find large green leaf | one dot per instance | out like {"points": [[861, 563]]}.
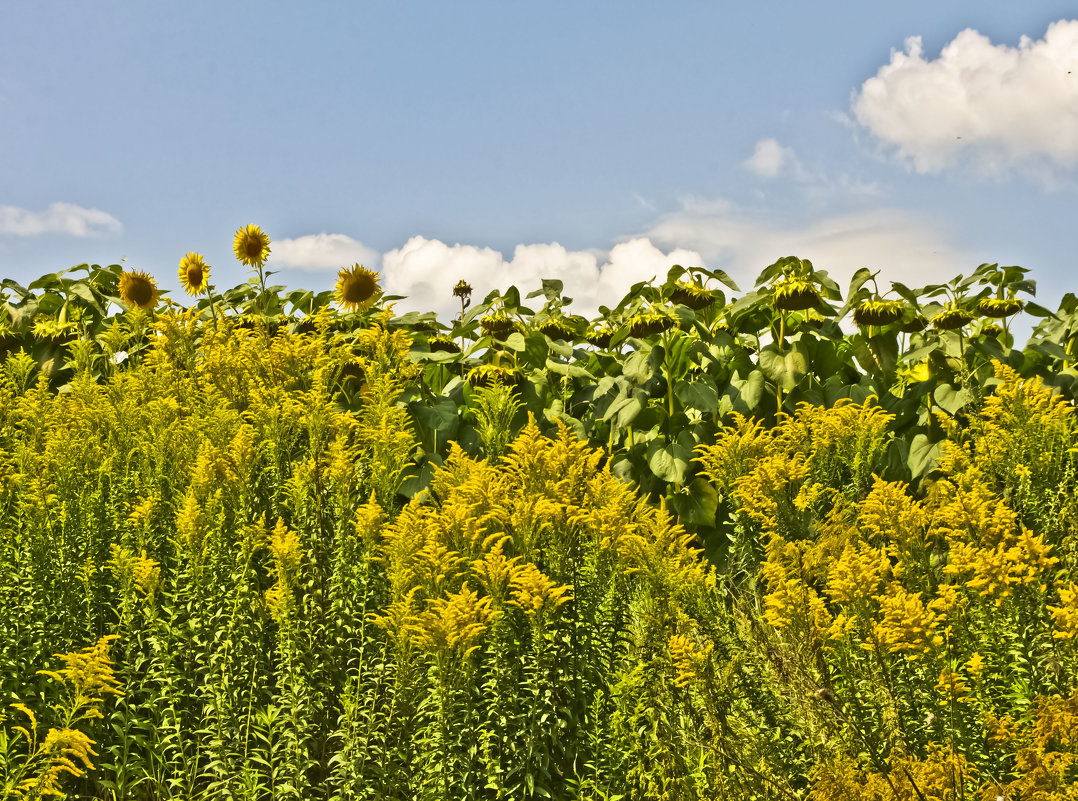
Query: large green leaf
{"points": [[923, 455], [952, 399], [785, 369], [699, 393], [746, 393], [669, 461]]}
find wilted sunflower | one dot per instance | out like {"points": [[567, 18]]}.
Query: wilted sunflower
{"points": [[357, 288], [486, 375], [138, 289], [795, 294], [999, 307], [497, 325], [194, 274], [599, 335], [951, 318], [914, 325], [251, 245], [692, 295], [878, 311], [443, 344], [560, 328], [645, 325]]}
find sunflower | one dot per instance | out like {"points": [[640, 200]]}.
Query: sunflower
{"points": [[951, 318], [599, 335], [999, 307], [357, 288], [562, 328], [194, 274], [914, 325], [497, 325], [692, 295], [795, 294], [138, 289], [878, 311], [443, 344], [251, 246], [645, 325]]}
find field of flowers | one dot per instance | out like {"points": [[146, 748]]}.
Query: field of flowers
{"points": [[796, 544]]}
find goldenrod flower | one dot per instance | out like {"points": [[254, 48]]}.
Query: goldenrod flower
{"points": [[194, 274], [357, 288], [137, 289], [251, 245]]}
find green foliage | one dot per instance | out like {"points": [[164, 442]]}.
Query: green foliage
{"points": [[690, 549]]}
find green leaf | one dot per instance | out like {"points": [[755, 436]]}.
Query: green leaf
{"points": [[785, 369], [952, 399], [923, 455], [624, 411], [696, 503], [747, 392], [698, 394], [637, 367], [669, 461], [515, 341]]}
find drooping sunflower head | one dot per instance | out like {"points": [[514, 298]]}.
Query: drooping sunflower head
{"points": [[878, 311], [950, 318], [251, 245], [194, 274], [497, 325], [138, 290], [1000, 307], [649, 323], [794, 294], [692, 295], [357, 288]]}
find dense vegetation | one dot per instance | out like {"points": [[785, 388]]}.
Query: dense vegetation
{"points": [[782, 546]]}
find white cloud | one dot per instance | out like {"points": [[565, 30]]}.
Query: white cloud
{"points": [[322, 252], [425, 271], [770, 158], [903, 246], [994, 106], [58, 218]]}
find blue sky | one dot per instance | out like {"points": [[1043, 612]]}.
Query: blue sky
{"points": [[504, 142]]}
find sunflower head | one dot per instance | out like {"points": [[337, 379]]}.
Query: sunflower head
{"points": [[692, 295], [878, 311], [497, 325], [599, 335], [914, 325], [357, 288], [462, 290], [649, 323], [443, 344], [138, 290], [794, 294], [999, 307], [564, 328], [194, 274], [951, 318], [251, 245]]}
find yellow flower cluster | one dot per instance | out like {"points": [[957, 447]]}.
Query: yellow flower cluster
{"points": [[135, 572], [687, 656], [906, 625]]}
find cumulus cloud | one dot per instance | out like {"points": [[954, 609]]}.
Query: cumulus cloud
{"points": [[994, 106], [903, 246], [770, 158], [425, 271], [58, 218], [322, 252]]}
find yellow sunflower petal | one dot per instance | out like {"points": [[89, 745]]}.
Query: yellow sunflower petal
{"points": [[194, 274], [138, 289]]}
